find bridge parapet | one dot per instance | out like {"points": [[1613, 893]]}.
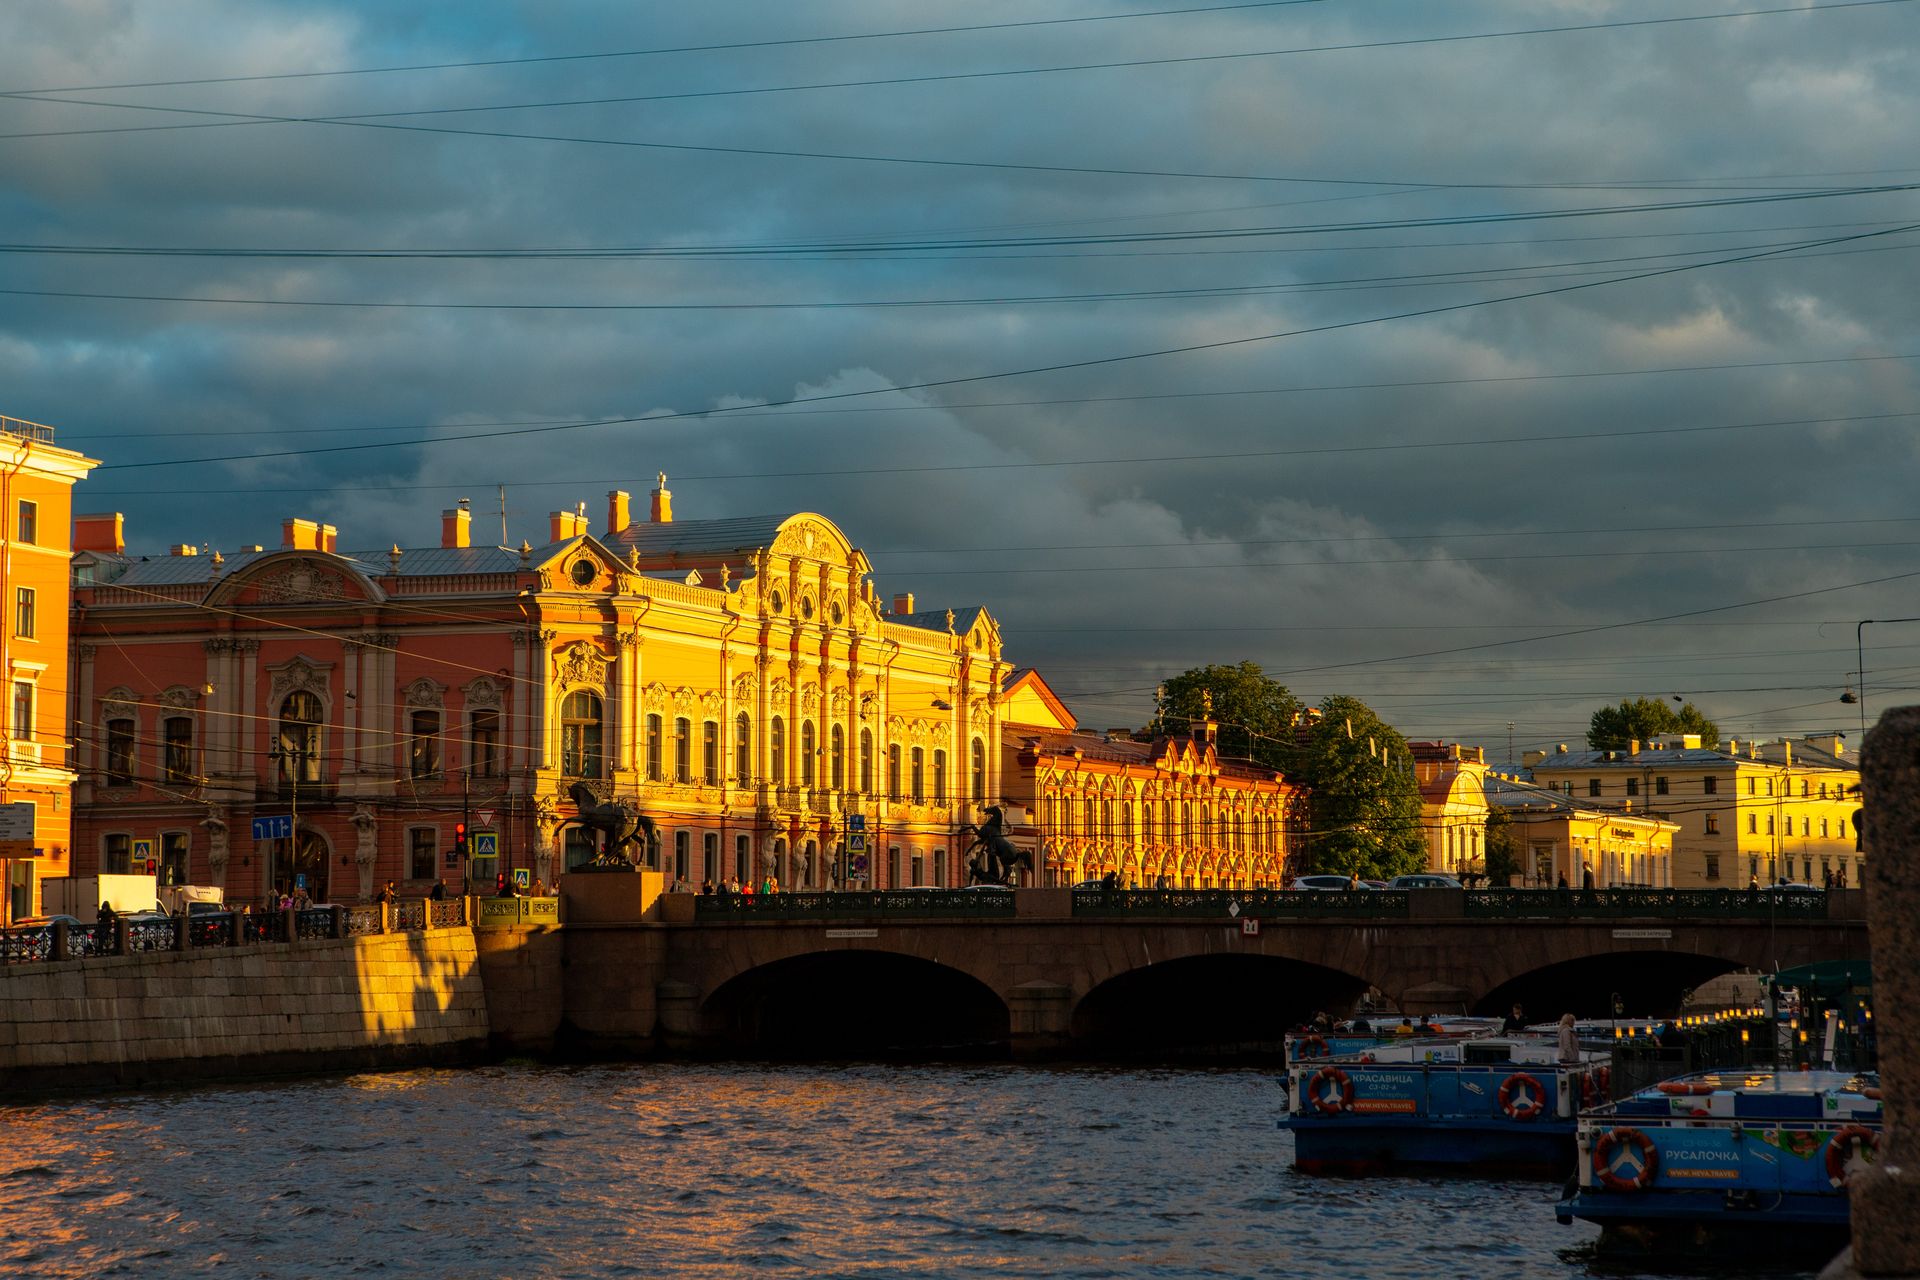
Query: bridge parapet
{"points": [[1682, 904]]}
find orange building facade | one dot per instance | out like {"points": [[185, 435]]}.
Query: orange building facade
{"points": [[1168, 812], [739, 681], [36, 505]]}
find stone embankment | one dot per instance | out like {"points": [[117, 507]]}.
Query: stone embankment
{"points": [[373, 1001]]}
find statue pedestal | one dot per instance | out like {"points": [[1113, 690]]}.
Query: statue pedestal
{"points": [[612, 897]]}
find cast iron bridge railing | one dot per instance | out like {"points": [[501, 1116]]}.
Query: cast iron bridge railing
{"points": [[1260, 904], [896, 904], [1688, 904]]}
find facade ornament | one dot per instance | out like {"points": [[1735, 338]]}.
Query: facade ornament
{"points": [[743, 688], [217, 850], [546, 820], [482, 691], [633, 559], [726, 577], [179, 696], [837, 703], [301, 582], [580, 663], [393, 559], [366, 846], [684, 699], [526, 554], [296, 675], [809, 699], [87, 651], [781, 689], [119, 701], [710, 703], [246, 644], [949, 622], [425, 693]]}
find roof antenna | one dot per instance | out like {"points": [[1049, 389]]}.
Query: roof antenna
{"points": [[503, 515]]}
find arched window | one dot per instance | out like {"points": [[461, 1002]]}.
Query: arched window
{"points": [[1126, 822], [710, 760], [682, 749], [978, 781], [919, 775], [120, 754], [807, 750], [837, 758], [866, 762], [299, 745], [654, 770], [1146, 822], [893, 771], [939, 776], [777, 746], [580, 734], [178, 731], [742, 749]]}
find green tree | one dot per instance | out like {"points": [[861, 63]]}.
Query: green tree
{"points": [[1645, 719], [1256, 714], [1365, 801], [1503, 848]]}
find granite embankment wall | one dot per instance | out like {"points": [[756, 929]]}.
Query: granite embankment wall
{"points": [[376, 1001]]}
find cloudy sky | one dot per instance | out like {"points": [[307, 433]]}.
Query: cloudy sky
{"points": [[1486, 361]]}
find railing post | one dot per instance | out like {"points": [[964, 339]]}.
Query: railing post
{"points": [[339, 921], [180, 932], [59, 951], [290, 925], [386, 917], [122, 938]]}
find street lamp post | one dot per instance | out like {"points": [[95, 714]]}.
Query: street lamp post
{"points": [[1860, 665], [295, 758]]}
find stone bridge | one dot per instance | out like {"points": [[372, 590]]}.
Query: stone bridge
{"points": [[1047, 970]]}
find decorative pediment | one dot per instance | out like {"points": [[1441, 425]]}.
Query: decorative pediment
{"points": [[810, 699], [296, 577], [781, 690], [654, 696], [179, 696], [837, 703], [710, 702], [743, 688], [685, 699], [481, 692], [119, 701], [981, 717], [584, 564], [301, 673], [425, 693], [580, 663]]}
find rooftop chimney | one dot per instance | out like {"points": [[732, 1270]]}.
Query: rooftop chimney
{"points": [[903, 602], [456, 526], [562, 525], [329, 538], [1633, 746], [183, 549], [617, 515], [662, 502], [299, 535], [104, 532], [1690, 741]]}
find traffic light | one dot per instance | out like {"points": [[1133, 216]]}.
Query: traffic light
{"points": [[459, 839]]}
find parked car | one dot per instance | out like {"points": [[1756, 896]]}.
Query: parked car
{"points": [[1791, 888], [1424, 880], [1325, 884]]}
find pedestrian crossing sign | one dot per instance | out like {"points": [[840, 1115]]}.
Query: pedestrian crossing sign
{"points": [[857, 842], [486, 844]]}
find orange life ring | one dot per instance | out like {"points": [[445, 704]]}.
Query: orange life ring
{"points": [[1330, 1101], [1686, 1088], [1873, 1093], [1366, 1058], [1594, 1086], [1313, 1046], [1840, 1149], [1616, 1141], [1522, 1106]]}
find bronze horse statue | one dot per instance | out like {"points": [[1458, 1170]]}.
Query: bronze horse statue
{"points": [[992, 858], [611, 821]]}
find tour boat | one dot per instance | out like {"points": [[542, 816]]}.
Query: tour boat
{"points": [[1493, 1105], [1723, 1163]]}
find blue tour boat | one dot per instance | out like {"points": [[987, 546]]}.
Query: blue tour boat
{"points": [[1723, 1163], [1493, 1105]]}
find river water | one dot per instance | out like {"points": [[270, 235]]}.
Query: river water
{"points": [[706, 1170]]}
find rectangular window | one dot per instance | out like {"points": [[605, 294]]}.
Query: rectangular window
{"points": [[119, 752], [653, 749], [919, 778], [23, 612], [23, 710], [1633, 786], [939, 777], [1710, 785], [179, 737], [1769, 824], [710, 856], [1713, 866], [893, 771], [1823, 828], [1752, 785], [1660, 786], [423, 853], [1593, 786], [682, 750], [424, 756], [1753, 824], [484, 727], [682, 855], [173, 857], [742, 752], [742, 858], [893, 867], [1713, 824], [919, 869], [939, 868], [710, 762], [116, 859], [1806, 826], [28, 525]]}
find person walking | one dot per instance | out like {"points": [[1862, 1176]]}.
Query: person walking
{"points": [[1569, 1039], [1586, 876]]}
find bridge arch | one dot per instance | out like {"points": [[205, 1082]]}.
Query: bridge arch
{"points": [[855, 1002], [1650, 982], [1213, 1001]]}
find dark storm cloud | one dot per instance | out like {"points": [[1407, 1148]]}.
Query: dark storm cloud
{"points": [[1237, 539]]}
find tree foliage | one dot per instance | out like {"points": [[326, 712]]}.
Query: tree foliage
{"points": [[1503, 848], [1363, 800], [1645, 719]]}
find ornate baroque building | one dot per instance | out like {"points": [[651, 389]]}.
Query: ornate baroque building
{"points": [[1167, 812], [737, 680]]}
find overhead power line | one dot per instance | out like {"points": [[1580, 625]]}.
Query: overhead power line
{"points": [[727, 47], [1059, 366]]}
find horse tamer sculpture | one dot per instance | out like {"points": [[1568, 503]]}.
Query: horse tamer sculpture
{"points": [[617, 828], [992, 858]]}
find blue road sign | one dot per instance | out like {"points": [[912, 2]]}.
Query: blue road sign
{"points": [[856, 843], [277, 827], [522, 878], [856, 822], [300, 880], [485, 844]]}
